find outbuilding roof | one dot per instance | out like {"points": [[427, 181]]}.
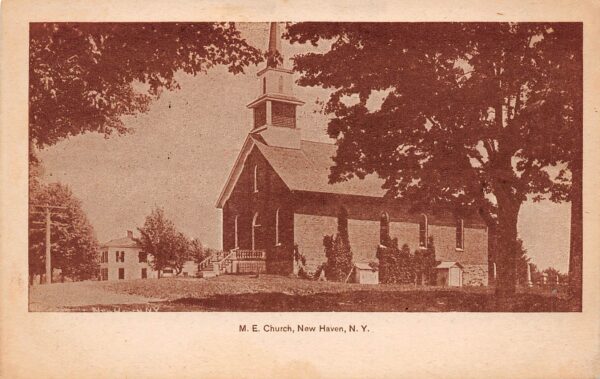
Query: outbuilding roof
{"points": [[443, 265], [363, 266]]}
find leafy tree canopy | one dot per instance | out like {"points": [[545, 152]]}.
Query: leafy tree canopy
{"points": [[159, 238], [469, 108], [74, 247], [475, 116], [83, 75]]}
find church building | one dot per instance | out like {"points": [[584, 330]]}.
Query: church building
{"points": [[278, 195]]}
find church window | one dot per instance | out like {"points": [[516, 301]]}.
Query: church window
{"points": [[280, 84], [264, 87], [277, 227], [255, 185], [423, 226], [255, 225], [235, 232], [384, 229], [460, 234]]}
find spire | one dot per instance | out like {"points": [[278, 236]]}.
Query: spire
{"points": [[275, 107], [274, 57]]}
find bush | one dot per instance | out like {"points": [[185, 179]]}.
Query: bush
{"points": [[339, 258], [395, 265], [338, 251], [425, 263], [280, 260]]}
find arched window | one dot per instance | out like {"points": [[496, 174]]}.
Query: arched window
{"points": [[423, 226], [235, 232], [255, 225], [280, 84], [384, 229], [255, 180], [460, 234], [264, 85], [277, 227]]}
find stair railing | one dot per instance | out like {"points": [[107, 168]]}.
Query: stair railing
{"points": [[205, 262], [224, 262]]}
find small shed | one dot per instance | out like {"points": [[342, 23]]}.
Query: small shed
{"points": [[365, 274], [449, 274]]}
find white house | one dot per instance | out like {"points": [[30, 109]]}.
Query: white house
{"points": [[122, 258]]}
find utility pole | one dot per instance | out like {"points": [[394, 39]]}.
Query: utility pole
{"points": [[48, 223]]}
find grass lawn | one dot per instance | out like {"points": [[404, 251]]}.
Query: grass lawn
{"points": [[270, 293]]}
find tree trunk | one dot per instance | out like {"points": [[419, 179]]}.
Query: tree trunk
{"points": [[576, 166], [506, 257], [492, 256], [576, 243]]}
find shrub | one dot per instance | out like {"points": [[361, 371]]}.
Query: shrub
{"points": [[425, 264], [338, 251], [395, 265], [280, 260], [339, 258]]}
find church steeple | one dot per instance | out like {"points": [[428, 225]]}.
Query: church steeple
{"points": [[275, 58], [275, 107]]}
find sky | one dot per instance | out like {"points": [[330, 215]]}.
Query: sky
{"points": [[179, 155]]}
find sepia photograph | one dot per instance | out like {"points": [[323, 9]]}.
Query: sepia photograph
{"points": [[305, 166], [299, 189]]}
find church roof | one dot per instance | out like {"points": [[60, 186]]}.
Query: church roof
{"points": [[305, 169]]}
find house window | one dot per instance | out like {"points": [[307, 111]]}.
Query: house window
{"points": [[277, 227], [255, 178], [104, 274], [122, 256], [116, 256], [121, 273], [142, 257], [280, 84], [423, 226], [384, 229], [460, 234], [144, 273], [264, 85], [235, 232], [255, 225]]}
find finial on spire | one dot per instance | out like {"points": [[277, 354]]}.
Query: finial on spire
{"points": [[274, 57]]}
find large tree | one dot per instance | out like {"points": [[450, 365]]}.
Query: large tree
{"points": [[475, 116], [159, 238], [74, 248], [83, 76]]}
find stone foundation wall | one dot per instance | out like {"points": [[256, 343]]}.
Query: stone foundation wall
{"points": [[475, 275]]}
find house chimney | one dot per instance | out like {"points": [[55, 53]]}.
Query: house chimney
{"points": [[129, 234]]}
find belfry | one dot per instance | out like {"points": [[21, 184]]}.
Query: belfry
{"points": [[275, 107]]}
